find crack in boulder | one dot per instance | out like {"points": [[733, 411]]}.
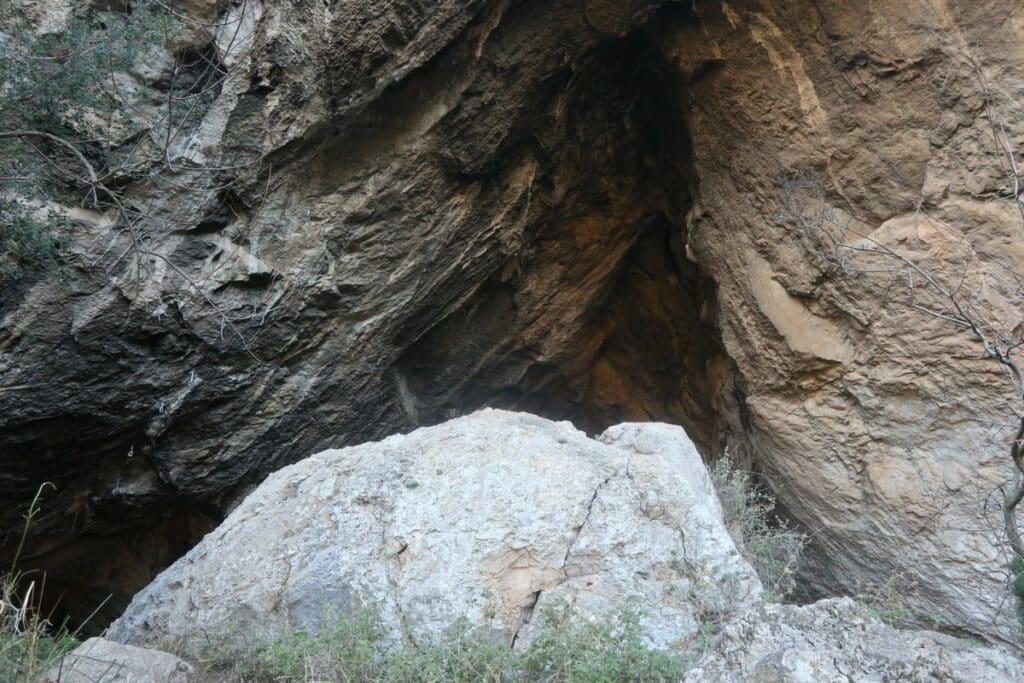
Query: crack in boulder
{"points": [[525, 616], [586, 518]]}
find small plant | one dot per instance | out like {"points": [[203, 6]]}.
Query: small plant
{"points": [[30, 644], [29, 246], [75, 123], [610, 648], [767, 542], [57, 96], [705, 636], [346, 643], [888, 599], [467, 655], [49, 81]]}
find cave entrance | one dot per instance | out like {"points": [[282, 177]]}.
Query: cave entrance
{"points": [[84, 582], [600, 317]]}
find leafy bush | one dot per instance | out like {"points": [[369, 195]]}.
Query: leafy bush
{"points": [[467, 655], [352, 648], [608, 649], [63, 96], [343, 643], [49, 81], [29, 245], [54, 84], [767, 542]]}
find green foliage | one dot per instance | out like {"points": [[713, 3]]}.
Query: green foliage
{"points": [[25, 656], [466, 656], [49, 81], [344, 642], [29, 246], [67, 84], [353, 648], [888, 597], [1017, 585], [606, 650], [767, 542]]}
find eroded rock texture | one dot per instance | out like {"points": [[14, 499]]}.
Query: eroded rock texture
{"points": [[837, 640], [494, 518], [457, 203], [875, 421], [568, 207]]}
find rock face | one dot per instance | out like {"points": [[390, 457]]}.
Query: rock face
{"points": [[489, 517], [836, 641], [98, 660], [575, 208], [882, 428]]}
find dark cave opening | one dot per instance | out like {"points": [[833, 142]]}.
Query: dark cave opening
{"points": [[649, 351], [84, 582], [609, 256]]}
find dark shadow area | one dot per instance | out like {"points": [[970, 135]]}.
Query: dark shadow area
{"points": [[645, 344], [86, 581]]}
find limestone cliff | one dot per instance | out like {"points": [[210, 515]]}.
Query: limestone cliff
{"points": [[571, 207]]}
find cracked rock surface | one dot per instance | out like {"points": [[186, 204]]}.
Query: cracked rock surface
{"points": [[494, 515], [836, 640], [489, 517]]}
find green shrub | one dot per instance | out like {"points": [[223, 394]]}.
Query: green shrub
{"points": [[767, 542], [27, 654], [352, 648], [345, 642], [29, 246], [609, 650], [465, 656], [49, 81], [62, 96]]}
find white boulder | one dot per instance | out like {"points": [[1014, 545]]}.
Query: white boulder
{"points": [[488, 517]]}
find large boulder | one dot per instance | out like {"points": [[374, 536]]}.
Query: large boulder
{"points": [[488, 517], [837, 641]]}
